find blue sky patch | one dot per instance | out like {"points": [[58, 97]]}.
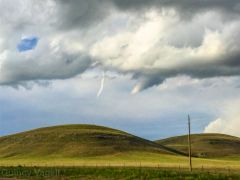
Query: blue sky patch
{"points": [[27, 43]]}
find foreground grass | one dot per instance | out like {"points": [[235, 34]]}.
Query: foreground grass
{"points": [[131, 159], [131, 165], [109, 173]]}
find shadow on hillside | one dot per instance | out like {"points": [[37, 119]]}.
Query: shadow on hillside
{"points": [[173, 150]]}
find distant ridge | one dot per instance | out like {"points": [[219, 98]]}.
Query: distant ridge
{"points": [[205, 145]]}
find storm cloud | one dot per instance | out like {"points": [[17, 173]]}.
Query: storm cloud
{"points": [[149, 40]]}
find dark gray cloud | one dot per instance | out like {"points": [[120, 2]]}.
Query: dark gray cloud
{"points": [[184, 6], [63, 67], [227, 67], [81, 14], [199, 71]]}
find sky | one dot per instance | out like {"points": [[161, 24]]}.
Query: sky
{"points": [[135, 65]]}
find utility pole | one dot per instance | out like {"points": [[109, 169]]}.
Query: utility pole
{"points": [[189, 144]]}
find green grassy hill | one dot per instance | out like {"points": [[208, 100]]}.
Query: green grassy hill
{"points": [[205, 145], [74, 141], [91, 145]]}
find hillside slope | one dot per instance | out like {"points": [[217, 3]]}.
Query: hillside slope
{"points": [[205, 145], [73, 141]]}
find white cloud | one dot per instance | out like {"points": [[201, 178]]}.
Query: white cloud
{"points": [[229, 121], [150, 53], [225, 126]]}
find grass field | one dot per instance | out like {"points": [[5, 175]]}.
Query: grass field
{"points": [[101, 173], [134, 159]]}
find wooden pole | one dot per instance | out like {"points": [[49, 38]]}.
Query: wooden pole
{"points": [[189, 144]]}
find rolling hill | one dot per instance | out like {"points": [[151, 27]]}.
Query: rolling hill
{"points": [[74, 141], [205, 145], [80, 141]]}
